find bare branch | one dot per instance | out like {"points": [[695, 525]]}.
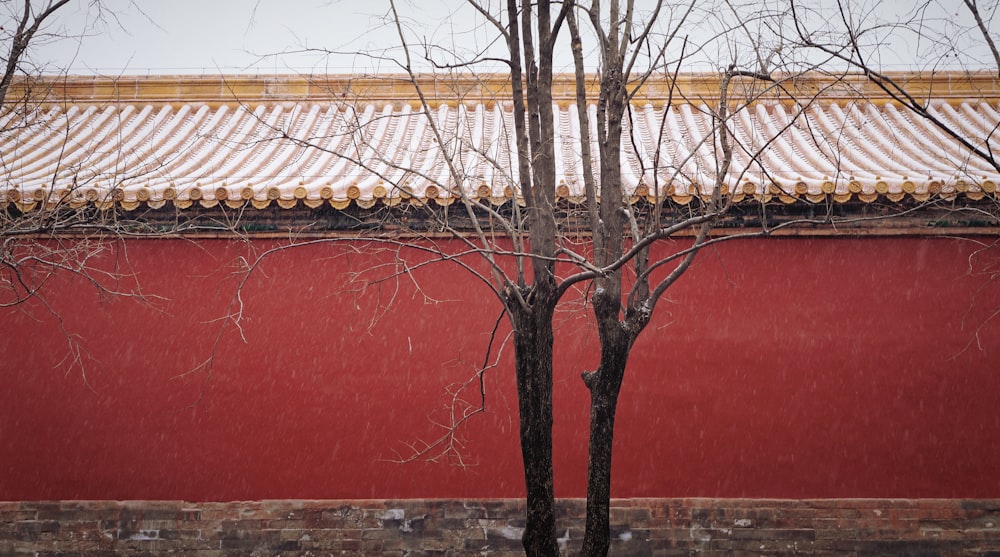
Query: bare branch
{"points": [[987, 36]]}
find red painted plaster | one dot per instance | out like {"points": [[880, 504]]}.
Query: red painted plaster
{"points": [[775, 368]]}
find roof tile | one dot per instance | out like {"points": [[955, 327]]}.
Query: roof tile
{"points": [[378, 148]]}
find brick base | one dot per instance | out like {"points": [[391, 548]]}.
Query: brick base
{"points": [[477, 527]]}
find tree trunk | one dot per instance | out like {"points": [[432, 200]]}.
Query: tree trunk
{"points": [[605, 385], [533, 339]]}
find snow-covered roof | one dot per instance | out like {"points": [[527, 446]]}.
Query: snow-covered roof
{"points": [[337, 140]]}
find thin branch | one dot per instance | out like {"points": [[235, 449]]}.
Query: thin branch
{"points": [[987, 36]]}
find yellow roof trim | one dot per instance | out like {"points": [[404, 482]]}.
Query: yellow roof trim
{"points": [[398, 89]]}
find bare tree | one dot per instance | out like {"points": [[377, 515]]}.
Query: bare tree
{"points": [[24, 25], [613, 212], [31, 254], [598, 188], [726, 166], [61, 216]]}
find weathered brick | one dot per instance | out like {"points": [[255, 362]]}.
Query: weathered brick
{"points": [[494, 543], [457, 509], [504, 508], [672, 552], [571, 509], [772, 534], [988, 534], [34, 529], [218, 511], [990, 505], [243, 539], [470, 527], [439, 544]]}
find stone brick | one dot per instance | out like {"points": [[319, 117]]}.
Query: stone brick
{"points": [[642, 527], [180, 534], [573, 509], [35, 529], [456, 509], [987, 505], [773, 534]]}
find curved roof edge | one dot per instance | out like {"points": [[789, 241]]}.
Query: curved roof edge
{"points": [[321, 141]]}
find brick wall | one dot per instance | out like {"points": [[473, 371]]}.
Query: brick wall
{"points": [[475, 527]]}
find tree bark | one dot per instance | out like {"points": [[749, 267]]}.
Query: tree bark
{"points": [[605, 386], [533, 338]]}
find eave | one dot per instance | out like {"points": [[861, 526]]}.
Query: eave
{"points": [[233, 142]]}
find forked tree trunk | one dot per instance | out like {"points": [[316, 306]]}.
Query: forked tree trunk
{"points": [[533, 339], [604, 385]]}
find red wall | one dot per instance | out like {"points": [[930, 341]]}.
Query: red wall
{"points": [[777, 368]]}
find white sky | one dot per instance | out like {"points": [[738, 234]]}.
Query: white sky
{"points": [[205, 36], [238, 36]]}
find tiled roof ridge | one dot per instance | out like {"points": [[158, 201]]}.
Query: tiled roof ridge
{"points": [[953, 86], [294, 152]]}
